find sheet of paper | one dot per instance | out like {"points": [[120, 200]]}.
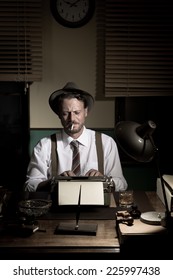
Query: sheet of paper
{"points": [[92, 193]]}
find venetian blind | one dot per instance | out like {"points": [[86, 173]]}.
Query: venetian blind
{"points": [[21, 40], [138, 47]]}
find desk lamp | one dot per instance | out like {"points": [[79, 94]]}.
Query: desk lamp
{"points": [[136, 141]]}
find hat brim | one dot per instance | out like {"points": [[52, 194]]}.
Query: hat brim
{"points": [[53, 99]]}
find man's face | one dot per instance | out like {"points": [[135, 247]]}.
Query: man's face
{"points": [[73, 115]]}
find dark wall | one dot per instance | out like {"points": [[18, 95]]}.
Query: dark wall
{"points": [[14, 134]]}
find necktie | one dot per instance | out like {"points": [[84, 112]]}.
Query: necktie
{"points": [[76, 157]]}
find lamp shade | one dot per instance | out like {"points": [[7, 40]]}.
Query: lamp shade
{"points": [[136, 140]]}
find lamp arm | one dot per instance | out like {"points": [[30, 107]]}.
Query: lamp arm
{"points": [[160, 176]]}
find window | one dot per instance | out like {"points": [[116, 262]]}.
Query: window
{"points": [[20, 40], [135, 47]]}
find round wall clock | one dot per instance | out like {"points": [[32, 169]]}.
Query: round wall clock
{"points": [[72, 13]]}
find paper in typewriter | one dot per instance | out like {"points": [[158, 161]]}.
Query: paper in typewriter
{"points": [[92, 193]]}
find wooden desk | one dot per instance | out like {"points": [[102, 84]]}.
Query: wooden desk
{"points": [[143, 240], [44, 245], [49, 245]]}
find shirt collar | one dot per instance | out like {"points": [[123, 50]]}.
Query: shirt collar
{"points": [[83, 138]]}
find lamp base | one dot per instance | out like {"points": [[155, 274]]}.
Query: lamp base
{"points": [[167, 222], [152, 218], [82, 229]]}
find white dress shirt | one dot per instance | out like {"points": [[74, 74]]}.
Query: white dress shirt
{"points": [[39, 168]]}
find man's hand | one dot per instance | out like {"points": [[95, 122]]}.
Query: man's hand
{"points": [[93, 172], [68, 173]]}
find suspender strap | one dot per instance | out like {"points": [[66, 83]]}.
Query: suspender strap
{"points": [[55, 158], [99, 152], [54, 155]]}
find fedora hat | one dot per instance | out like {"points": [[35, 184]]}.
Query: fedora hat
{"points": [[70, 87]]}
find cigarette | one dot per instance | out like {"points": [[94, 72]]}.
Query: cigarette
{"points": [[72, 126], [35, 229]]}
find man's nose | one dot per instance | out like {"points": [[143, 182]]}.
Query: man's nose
{"points": [[71, 116]]}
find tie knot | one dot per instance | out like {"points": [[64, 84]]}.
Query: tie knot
{"points": [[75, 144]]}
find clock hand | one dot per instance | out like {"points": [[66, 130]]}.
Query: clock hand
{"points": [[71, 4], [67, 2], [74, 4]]}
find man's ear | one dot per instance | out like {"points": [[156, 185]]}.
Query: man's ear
{"points": [[86, 112]]}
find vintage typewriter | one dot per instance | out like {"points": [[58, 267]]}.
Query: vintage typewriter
{"points": [[94, 190]]}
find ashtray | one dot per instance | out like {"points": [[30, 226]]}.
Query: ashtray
{"points": [[34, 207]]}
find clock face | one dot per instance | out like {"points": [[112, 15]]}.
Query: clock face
{"points": [[72, 13]]}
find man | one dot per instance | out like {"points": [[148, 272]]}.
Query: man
{"points": [[72, 106]]}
